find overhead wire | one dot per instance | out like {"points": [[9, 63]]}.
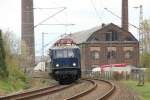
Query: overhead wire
{"points": [[95, 9], [43, 9], [50, 17], [120, 18]]}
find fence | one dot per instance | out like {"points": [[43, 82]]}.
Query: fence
{"points": [[108, 75]]}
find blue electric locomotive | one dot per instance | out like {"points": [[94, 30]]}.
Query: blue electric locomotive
{"points": [[65, 61]]}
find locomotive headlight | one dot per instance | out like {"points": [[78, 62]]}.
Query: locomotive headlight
{"points": [[74, 64], [57, 65]]}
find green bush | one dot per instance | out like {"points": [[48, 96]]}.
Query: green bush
{"points": [[16, 79], [145, 60], [3, 68]]}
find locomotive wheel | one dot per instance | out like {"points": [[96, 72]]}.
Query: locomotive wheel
{"points": [[67, 80], [62, 82]]}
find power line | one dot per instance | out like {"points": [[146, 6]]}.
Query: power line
{"points": [[120, 18], [49, 8], [50, 17], [95, 9], [59, 24]]}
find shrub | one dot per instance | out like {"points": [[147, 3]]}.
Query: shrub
{"points": [[12, 57], [3, 68]]}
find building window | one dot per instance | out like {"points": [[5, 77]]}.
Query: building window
{"points": [[128, 54], [111, 54], [94, 39], [111, 36], [129, 38], [94, 55]]}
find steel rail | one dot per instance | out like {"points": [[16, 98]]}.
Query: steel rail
{"points": [[103, 97], [52, 89], [35, 93], [106, 95], [84, 92]]}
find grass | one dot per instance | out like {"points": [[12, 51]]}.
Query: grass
{"points": [[9, 86], [144, 91]]}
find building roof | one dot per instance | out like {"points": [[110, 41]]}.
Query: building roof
{"points": [[64, 47], [83, 36]]}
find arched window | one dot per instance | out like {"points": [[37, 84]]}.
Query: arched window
{"points": [[128, 54], [94, 55], [111, 54]]}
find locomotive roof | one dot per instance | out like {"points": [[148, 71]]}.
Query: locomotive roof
{"points": [[63, 47]]}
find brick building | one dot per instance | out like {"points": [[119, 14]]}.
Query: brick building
{"points": [[106, 45]]}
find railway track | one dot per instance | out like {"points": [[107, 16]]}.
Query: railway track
{"points": [[35, 93], [89, 90], [108, 93], [48, 91]]}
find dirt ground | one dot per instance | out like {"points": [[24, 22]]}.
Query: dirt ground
{"points": [[123, 92]]}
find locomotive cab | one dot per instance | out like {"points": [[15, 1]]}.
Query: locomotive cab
{"points": [[65, 62]]}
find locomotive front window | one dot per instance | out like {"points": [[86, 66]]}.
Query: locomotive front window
{"points": [[59, 54], [64, 53], [70, 53]]}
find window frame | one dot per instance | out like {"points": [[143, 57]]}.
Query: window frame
{"points": [[112, 54], [111, 36], [93, 55], [130, 54]]}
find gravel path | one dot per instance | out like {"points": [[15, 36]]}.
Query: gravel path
{"points": [[123, 93], [81, 86]]}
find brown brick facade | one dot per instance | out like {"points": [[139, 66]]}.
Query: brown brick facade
{"points": [[106, 45], [88, 63]]}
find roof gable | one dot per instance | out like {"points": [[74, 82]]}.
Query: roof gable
{"points": [[86, 35], [122, 34]]}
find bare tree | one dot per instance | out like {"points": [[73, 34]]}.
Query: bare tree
{"points": [[146, 35], [145, 57], [13, 48]]}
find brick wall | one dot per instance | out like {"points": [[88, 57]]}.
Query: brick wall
{"points": [[87, 62]]}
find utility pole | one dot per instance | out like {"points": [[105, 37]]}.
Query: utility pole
{"points": [[42, 57], [141, 34]]}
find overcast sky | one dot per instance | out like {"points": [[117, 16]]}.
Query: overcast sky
{"points": [[84, 14]]}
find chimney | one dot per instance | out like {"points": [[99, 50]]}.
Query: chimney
{"points": [[27, 30], [125, 14], [103, 25]]}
